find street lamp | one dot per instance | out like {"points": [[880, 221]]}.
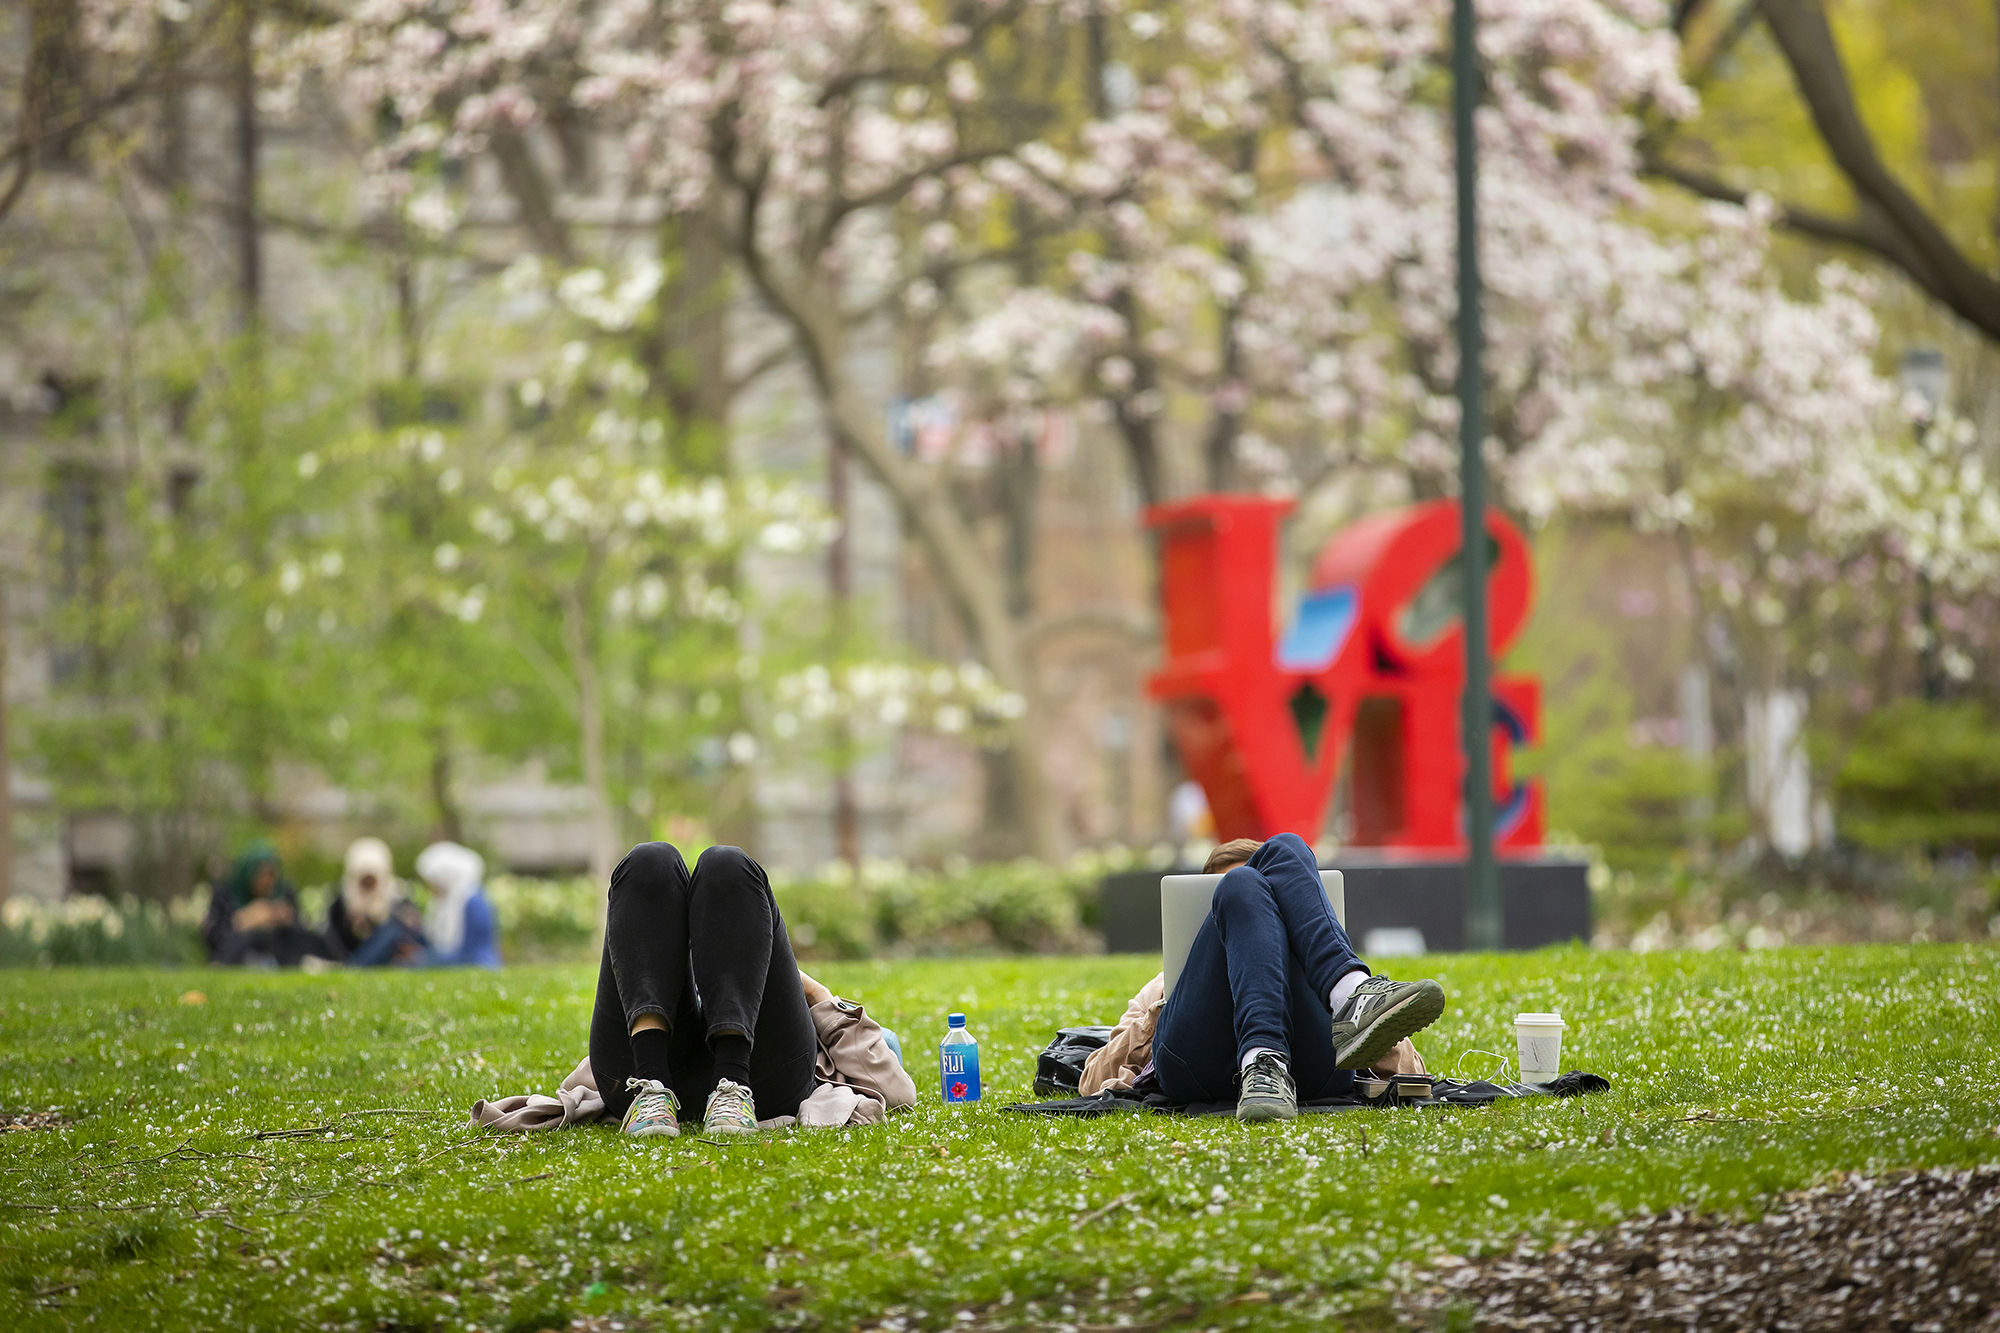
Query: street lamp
{"points": [[1483, 923]]}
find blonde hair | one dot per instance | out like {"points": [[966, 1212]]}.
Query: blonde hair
{"points": [[1229, 855]]}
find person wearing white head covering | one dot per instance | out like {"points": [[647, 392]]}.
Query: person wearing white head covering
{"points": [[370, 923], [460, 924]]}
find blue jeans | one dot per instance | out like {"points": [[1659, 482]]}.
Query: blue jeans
{"points": [[1259, 974], [380, 948]]}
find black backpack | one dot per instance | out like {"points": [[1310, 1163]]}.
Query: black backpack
{"points": [[1059, 1068]]}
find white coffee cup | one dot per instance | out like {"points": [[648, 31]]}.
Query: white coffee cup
{"points": [[1540, 1038]]}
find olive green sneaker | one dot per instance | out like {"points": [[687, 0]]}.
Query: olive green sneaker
{"points": [[1268, 1091], [1379, 1014], [654, 1113]]}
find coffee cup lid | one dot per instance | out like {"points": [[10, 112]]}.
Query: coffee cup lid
{"points": [[1539, 1021]]}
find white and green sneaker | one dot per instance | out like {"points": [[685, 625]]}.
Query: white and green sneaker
{"points": [[730, 1110], [1268, 1091], [1379, 1014], [654, 1113]]}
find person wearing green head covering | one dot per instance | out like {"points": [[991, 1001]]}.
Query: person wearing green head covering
{"points": [[253, 915]]}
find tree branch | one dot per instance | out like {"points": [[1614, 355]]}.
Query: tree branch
{"points": [[25, 151], [530, 189], [1684, 14], [559, 684], [842, 84], [1733, 32], [965, 574], [23, 169], [761, 367], [1806, 41], [941, 272], [1138, 629], [845, 205], [1867, 231]]}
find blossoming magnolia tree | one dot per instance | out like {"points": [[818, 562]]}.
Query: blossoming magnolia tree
{"points": [[1275, 245], [619, 556], [1230, 215]]}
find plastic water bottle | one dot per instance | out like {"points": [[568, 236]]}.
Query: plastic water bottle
{"points": [[958, 1063]]}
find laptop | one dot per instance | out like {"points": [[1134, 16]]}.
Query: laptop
{"points": [[1184, 904]]}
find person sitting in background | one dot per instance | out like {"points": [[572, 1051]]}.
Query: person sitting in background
{"points": [[1272, 1001], [370, 923], [253, 915], [460, 924]]}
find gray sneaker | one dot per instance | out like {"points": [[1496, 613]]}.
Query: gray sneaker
{"points": [[1268, 1092], [1379, 1014]]}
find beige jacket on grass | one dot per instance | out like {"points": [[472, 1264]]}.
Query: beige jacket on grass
{"points": [[1117, 1063], [859, 1081]]}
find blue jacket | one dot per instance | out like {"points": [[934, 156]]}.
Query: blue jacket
{"points": [[479, 946]]}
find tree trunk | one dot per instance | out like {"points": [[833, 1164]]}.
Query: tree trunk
{"points": [[247, 405], [1930, 657], [590, 726], [249, 252], [450, 825], [962, 567], [174, 137], [1225, 425], [523, 178], [6, 762], [1697, 691], [409, 320], [840, 591], [1003, 823], [689, 344], [1005, 819]]}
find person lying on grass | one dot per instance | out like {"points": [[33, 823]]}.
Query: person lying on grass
{"points": [[701, 1002], [1269, 968]]}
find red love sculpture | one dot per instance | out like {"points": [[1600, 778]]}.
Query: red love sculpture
{"points": [[1370, 672]]}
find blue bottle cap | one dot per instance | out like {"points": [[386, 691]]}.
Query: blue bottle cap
{"points": [[957, 1020]]}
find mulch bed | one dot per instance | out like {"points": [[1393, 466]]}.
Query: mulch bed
{"points": [[10, 1120], [1916, 1252]]}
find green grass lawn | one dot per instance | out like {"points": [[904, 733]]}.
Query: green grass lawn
{"points": [[1735, 1075]]}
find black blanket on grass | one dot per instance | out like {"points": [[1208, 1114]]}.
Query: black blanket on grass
{"points": [[1146, 1096]]}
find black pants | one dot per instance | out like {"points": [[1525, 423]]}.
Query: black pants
{"points": [[1259, 974], [708, 953], [285, 945]]}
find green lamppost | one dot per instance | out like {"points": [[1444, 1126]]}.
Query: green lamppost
{"points": [[1482, 881]]}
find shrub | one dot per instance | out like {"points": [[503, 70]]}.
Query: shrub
{"points": [[1003, 907], [1924, 775], [89, 931], [545, 920], [886, 909], [828, 917]]}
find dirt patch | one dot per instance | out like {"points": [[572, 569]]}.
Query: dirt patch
{"points": [[11, 1120], [1916, 1251]]}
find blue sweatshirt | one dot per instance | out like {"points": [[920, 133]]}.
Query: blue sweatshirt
{"points": [[479, 946]]}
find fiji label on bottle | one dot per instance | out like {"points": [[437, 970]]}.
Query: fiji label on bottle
{"points": [[958, 1067]]}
